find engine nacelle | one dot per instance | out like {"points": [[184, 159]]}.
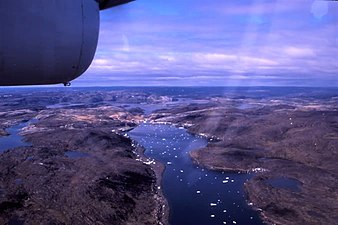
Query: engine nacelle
{"points": [[48, 41]]}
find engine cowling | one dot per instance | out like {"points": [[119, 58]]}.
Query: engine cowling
{"points": [[48, 42]]}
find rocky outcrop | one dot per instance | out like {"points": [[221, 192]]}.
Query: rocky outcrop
{"points": [[290, 142], [80, 169]]}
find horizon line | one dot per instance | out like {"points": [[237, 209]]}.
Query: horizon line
{"points": [[163, 86]]}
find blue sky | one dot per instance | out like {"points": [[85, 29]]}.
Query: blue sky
{"points": [[218, 42]]}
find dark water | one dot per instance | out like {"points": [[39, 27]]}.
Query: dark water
{"points": [[13, 140], [64, 105], [285, 183], [147, 108], [196, 196]]}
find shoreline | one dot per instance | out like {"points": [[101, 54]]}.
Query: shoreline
{"points": [[97, 186], [159, 168], [288, 137], [163, 209], [264, 218]]}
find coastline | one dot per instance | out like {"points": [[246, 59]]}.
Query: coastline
{"points": [[272, 141], [158, 168], [193, 155], [103, 171]]}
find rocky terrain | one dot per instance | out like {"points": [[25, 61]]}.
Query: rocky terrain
{"points": [[293, 141], [81, 169]]}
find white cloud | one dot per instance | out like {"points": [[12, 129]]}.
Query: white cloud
{"points": [[100, 62], [219, 40], [299, 52]]}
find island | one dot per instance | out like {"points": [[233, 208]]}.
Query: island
{"points": [[79, 166]]}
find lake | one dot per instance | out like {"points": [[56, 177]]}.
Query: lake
{"points": [[13, 140]]}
